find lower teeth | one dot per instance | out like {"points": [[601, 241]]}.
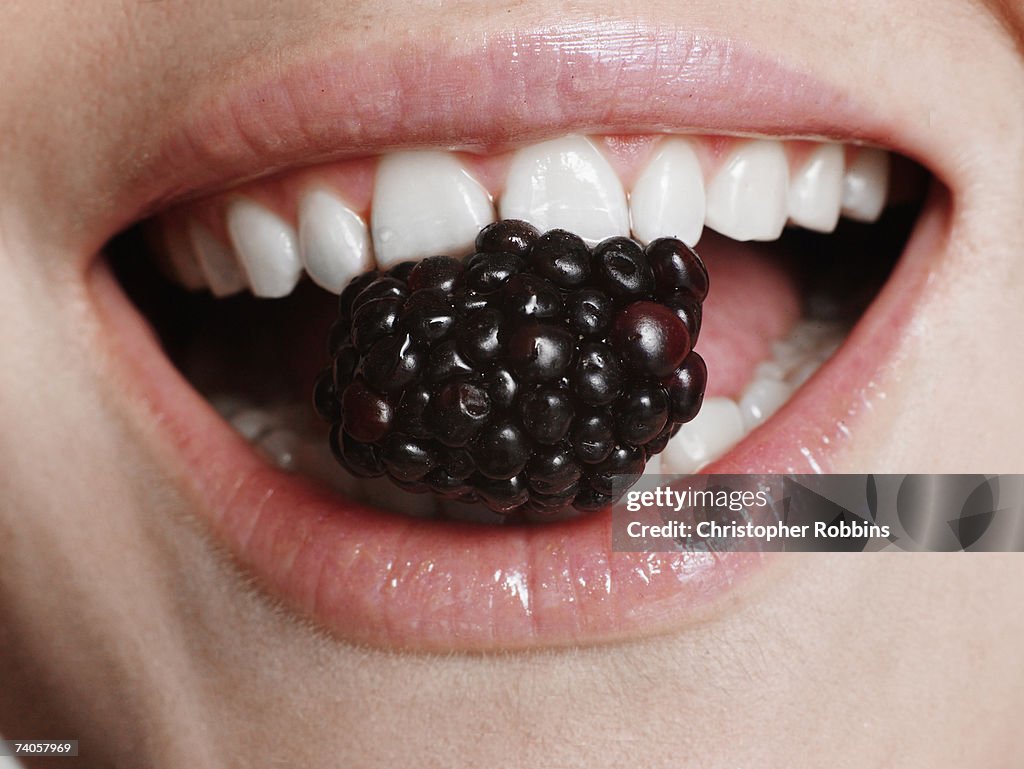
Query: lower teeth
{"points": [[289, 436]]}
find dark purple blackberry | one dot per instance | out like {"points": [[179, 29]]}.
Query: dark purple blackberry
{"points": [[621, 269], [393, 363], [527, 296], [365, 414], [588, 312], [546, 413], [651, 338], [374, 320], [535, 375], [562, 258], [457, 410], [435, 272], [685, 388], [509, 236], [597, 378], [428, 315], [677, 269]]}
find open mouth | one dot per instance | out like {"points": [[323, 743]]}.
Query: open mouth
{"points": [[814, 250]]}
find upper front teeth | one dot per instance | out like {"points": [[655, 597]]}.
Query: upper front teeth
{"points": [[866, 184], [816, 190], [216, 261], [427, 202], [669, 195], [267, 248], [747, 197], [333, 242], [566, 184]]}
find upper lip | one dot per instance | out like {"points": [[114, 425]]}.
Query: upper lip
{"points": [[503, 89], [428, 585]]}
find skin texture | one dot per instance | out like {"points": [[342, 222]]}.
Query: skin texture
{"points": [[124, 625]]}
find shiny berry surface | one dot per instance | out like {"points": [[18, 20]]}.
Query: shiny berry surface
{"points": [[510, 236], [621, 269], [534, 376], [562, 258], [546, 413], [677, 269], [650, 338]]}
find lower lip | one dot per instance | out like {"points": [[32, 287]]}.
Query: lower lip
{"points": [[422, 585]]}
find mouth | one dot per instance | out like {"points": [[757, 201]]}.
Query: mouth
{"points": [[219, 306]]}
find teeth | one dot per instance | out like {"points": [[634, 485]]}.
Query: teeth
{"points": [[280, 446], [267, 248], [425, 203], [866, 185], [334, 244], [761, 399], [216, 261], [251, 423], [716, 429], [815, 192], [722, 422], [668, 198], [747, 199], [566, 183], [180, 263]]}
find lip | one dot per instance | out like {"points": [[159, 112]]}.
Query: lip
{"points": [[429, 586], [479, 99]]}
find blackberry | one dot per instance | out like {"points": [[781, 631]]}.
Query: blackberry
{"points": [[534, 376]]}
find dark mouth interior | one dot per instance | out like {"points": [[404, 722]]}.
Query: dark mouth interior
{"points": [[270, 351]]}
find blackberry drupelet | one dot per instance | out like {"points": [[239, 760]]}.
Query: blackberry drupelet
{"points": [[533, 376]]}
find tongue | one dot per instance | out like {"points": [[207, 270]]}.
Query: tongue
{"points": [[753, 301], [276, 348]]}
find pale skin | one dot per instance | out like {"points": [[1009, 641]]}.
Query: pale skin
{"points": [[123, 624]]}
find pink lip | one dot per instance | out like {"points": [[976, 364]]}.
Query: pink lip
{"points": [[503, 88], [423, 585]]}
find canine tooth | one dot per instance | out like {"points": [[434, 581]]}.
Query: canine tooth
{"points": [[425, 203], [786, 355], [180, 259], [807, 335], [279, 446], [769, 369], [717, 428], [747, 197], [216, 261], [668, 198], [566, 183], [803, 372], [761, 399], [226, 405], [334, 244], [815, 192], [266, 247], [866, 185], [251, 423]]}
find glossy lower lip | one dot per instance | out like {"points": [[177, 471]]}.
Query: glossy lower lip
{"points": [[429, 586]]}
